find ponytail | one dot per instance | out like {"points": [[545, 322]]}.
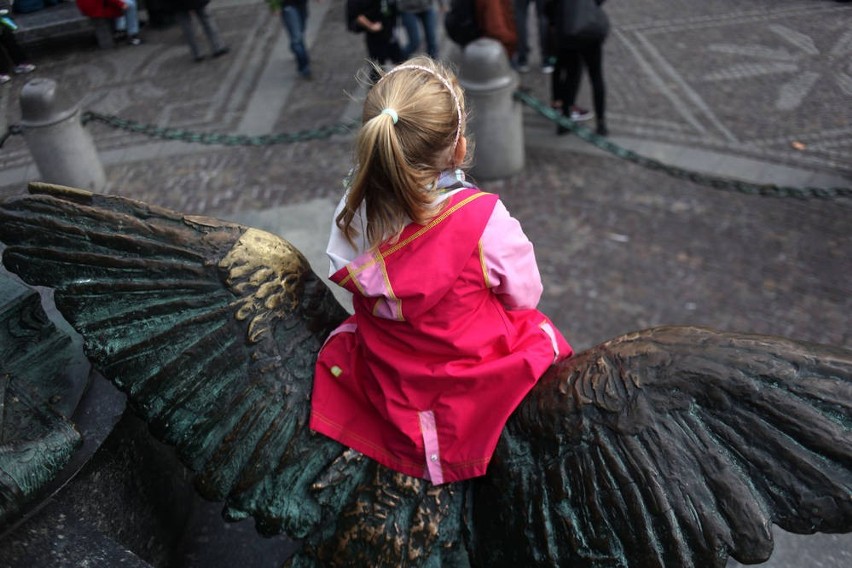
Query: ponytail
{"points": [[412, 121]]}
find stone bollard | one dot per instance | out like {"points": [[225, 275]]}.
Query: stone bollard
{"points": [[62, 148], [496, 120]]}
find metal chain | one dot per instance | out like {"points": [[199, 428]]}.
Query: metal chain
{"points": [[214, 138], [716, 182], [13, 129]]}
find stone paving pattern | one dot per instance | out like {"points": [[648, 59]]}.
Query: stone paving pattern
{"points": [[620, 247]]}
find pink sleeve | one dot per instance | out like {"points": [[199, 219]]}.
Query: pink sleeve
{"points": [[508, 261]]}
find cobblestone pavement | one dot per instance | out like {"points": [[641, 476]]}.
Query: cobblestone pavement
{"points": [[766, 83]]}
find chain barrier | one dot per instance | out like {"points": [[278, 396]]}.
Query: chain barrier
{"points": [[716, 182], [214, 138], [11, 131]]}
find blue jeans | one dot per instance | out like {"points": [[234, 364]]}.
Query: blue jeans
{"points": [[428, 19], [130, 20], [295, 19]]}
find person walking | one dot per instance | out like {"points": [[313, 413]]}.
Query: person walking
{"points": [[128, 23], [183, 10], [522, 9], [13, 57], [581, 28], [377, 20], [294, 16], [121, 14], [414, 15]]}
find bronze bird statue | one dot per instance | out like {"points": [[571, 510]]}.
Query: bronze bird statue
{"points": [[672, 446]]}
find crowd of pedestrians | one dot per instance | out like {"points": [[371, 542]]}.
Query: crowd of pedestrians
{"points": [[392, 30], [122, 17], [566, 43]]}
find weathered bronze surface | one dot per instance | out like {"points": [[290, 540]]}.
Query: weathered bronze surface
{"points": [[37, 394], [671, 446]]}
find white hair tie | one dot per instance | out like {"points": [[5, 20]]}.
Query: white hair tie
{"points": [[391, 113], [446, 84]]}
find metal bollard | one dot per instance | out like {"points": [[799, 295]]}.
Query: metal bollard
{"points": [[62, 148], [496, 120]]}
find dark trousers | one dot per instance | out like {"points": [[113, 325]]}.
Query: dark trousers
{"points": [[382, 47], [569, 72], [12, 53]]}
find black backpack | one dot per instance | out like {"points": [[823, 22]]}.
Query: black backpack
{"points": [[460, 22]]}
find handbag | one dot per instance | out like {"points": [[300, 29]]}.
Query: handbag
{"points": [[582, 20]]}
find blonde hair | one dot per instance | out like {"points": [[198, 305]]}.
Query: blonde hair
{"points": [[413, 119]]}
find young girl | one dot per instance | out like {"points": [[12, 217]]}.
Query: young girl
{"points": [[445, 341]]}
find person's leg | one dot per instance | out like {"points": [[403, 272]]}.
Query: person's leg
{"points": [[132, 15], [522, 55], [593, 58], [543, 36], [294, 22], [557, 82], [185, 23], [563, 82], [129, 22], [573, 76], [5, 59], [570, 74], [12, 50], [374, 54], [412, 33], [429, 19], [211, 31]]}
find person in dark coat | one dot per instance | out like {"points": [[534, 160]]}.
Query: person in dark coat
{"points": [[377, 19], [183, 9]]}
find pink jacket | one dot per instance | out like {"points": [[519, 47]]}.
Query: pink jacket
{"points": [[444, 344]]}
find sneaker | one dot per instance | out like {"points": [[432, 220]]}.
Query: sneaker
{"points": [[602, 130], [579, 114], [547, 68], [24, 68], [134, 40], [4, 78], [522, 68], [221, 51]]}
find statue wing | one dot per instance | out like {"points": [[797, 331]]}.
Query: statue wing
{"points": [[211, 329], [674, 446]]}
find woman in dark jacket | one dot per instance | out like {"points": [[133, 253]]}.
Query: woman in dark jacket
{"points": [[182, 10]]}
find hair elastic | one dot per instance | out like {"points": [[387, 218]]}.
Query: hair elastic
{"points": [[391, 113], [446, 84]]}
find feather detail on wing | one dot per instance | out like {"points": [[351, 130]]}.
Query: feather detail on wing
{"points": [[211, 329], [674, 446]]}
